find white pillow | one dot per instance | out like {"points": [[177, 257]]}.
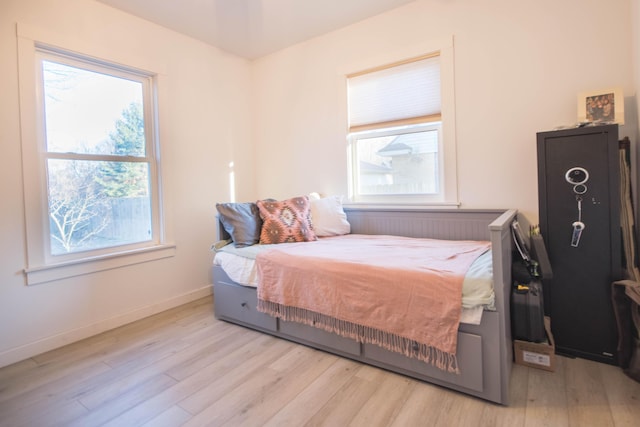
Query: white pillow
{"points": [[328, 217]]}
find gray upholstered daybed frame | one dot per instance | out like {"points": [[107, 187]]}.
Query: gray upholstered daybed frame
{"points": [[484, 351]]}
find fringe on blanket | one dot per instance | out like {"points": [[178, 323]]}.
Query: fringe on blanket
{"points": [[363, 334]]}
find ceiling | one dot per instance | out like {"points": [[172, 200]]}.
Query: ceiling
{"points": [[254, 28]]}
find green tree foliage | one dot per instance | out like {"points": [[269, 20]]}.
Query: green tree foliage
{"points": [[128, 137], [126, 179]]}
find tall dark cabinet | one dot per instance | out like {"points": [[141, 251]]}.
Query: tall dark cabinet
{"points": [[579, 186]]}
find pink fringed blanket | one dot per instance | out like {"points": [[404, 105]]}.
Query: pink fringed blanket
{"points": [[401, 293]]}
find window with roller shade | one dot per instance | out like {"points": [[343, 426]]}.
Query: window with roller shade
{"points": [[396, 133]]}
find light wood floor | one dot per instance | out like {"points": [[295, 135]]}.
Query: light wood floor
{"points": [[184, 367]]}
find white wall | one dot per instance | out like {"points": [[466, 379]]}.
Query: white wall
{"points": [[204, 105], [519, 67]]}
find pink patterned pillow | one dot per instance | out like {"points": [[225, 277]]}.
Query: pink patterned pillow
{"points": [[286, 221]]}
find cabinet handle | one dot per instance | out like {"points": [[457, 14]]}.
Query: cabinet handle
{"points": [[244, 304]]}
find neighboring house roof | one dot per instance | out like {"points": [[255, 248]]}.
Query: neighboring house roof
{"points": [[366, 167], [410, 143], [395, 149]]}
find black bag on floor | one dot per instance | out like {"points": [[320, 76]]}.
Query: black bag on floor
{"points": [[527, 312]]}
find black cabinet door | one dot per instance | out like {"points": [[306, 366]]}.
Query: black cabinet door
{"points": [[579, 180]]}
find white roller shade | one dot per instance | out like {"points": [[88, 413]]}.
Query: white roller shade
{"points": [[403, 93]]}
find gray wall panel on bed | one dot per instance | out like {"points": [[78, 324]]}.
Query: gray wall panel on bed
{"points": [[435, 224]]}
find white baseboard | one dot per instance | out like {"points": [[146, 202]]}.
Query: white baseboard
{"points": [[46, 344]]}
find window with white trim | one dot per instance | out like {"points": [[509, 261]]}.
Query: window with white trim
{"points": [[92, 184], [399, 152]]}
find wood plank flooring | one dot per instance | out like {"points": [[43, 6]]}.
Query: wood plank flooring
{"points": [[183, 367]]}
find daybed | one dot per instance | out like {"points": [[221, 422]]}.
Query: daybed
{"points": [[484, 351]]}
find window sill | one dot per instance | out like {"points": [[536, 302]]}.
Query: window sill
{"points": [[48, 273]]}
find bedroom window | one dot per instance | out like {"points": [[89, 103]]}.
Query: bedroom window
{"points": [[91, 172], [97, 158], [399, 120]]}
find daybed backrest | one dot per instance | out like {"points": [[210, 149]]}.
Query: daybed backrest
{"points": [[435, 224]]}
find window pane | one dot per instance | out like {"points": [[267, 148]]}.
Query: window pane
{"points": [[92, 113], [398, 164], [97, 204]]}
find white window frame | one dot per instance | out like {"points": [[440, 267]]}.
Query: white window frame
{"points": [[41, 265], [448, 195]]}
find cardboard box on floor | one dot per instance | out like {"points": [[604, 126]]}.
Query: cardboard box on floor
{"points": [[537, 355]]}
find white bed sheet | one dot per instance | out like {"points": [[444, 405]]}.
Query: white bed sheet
{"points": [[477, 287]]}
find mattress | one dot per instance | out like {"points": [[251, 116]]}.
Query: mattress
{"points": [[477, 288]]}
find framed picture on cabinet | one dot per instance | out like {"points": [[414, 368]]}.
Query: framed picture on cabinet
{"points": [[603, 106]]}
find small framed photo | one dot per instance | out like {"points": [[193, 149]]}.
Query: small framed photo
{"points": [[604, 106]]}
